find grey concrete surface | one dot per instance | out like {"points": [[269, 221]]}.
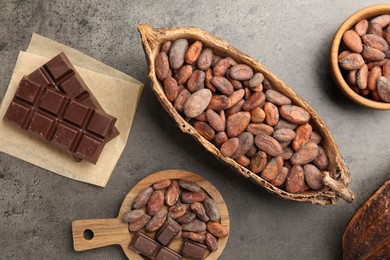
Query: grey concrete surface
{"points": [[291, 38]]}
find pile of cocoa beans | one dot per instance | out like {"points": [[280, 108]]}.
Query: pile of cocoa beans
{"points": [[238, 110], [180, 201], [365, 55]]}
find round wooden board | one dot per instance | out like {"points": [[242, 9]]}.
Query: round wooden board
{"points": [[115, 232]]}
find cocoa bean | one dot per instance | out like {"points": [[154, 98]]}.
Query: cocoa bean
{"points": [[217, 229], [387, 35], [220, 139], [243, 160], [241, 72], [196, 81], [371, 64], [386, 69], [178, 210], [183, 74], [268, 144], [376, 29], [172, 194], [193, 52], [189, 196], [197, 103], [139, 224], [284, 135], [162, 66], [155, 202], [285, 144], [352, 40], [208, 77], [195, 226], [361, 77], [230, 147], [258, 162], [202, 117], [271, 114], [221, 67], [248, 93], [313, 177], [236, 108], [370, 53], [295, 180], [257, 115], [222, 84], [287, 153], [223, 117], [177, 53], [302, 136], [204, 130], [163, 184], [281, 178], [383, 88], [315, 137], [252, 151], [237, 123], [215, 121], [189, 185], [211, 242], [256, 129], [267, 84], [272, 169], [171, 88], [256, 80], [142, 198], [218, 102], [361, 27], [186, 218], [383, 20], [245, 141], [352, 77], [211, 208], [376, 42], [157, 221], [277, 98], [343, 54], [199, 210], [255, 100], [321, 161], [181, 100], [193, 236], [352, 61], [215, 60], [235, 97], [284, 124], [375, 95], [133, 216], [166, 46], [205, 58], [305, 155], [294, 114]]}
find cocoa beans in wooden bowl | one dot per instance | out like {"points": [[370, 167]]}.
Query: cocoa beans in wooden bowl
{"points": [[244, 115], [360, 57]]}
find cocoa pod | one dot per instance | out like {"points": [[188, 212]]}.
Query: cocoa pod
{"points": [[220, 139], [255, 100], [258, 162], [193, 236], [230, 147], [245, 141], [383, 88], [177, 53], [166, 46], [352, 40], [281, 178], [195, 226], [196, 81], [133, 216], [352, 77], [287, 153], [197, 103], [315, 137], [205, 58], [199, 210], [236, 108], [186, 218], [218, 102], [235, 97], [211, 242], [361, 77], [211, 208], [256, 129], [241, 72], [178, 210], [204, 130], [268, 144], [237, 123], [216, 229], [215, 120], [256, 80], [352, 61], [142, 198], [171, 88], [189, 185], [321, 161], [163, 184], [243, 160], [370, 53], [383, 20], [313, 177], [162, 66], [208, 77], [376, 42], [193, 52], [189, 196], [183, 74], [257, 115], [376, 29], [284, 124], [284, 134], [272, 169], [221, 67], [295, 180], [271, 114], [155, 202], [139, 224], [181, 100], [172, 194], [277, 98], [302, 136], [305, 155], [157, 221], [222, 84], [294, 114], [361, 27]]}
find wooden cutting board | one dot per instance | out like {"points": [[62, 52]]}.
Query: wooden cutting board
{"points": [[95, 233]]}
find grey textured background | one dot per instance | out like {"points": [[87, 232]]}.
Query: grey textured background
{"points": [[291, 39]]}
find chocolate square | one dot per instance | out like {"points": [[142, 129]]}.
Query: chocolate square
{"points": [[144, 245], [53, 102], [168, 232], [193, 250]]}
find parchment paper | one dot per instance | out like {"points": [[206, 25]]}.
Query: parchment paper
{"points": [[118, 96]]}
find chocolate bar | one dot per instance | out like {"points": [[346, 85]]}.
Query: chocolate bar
{"points": [[168, 232], [60, 74], [165, 253], [60, 120], [193, 250], [144, 245]]}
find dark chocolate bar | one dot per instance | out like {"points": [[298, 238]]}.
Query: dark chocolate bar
{"points": [[165, 253], [168, 232], [193, 250], [144, 245], [60, 120], [60, 74]]}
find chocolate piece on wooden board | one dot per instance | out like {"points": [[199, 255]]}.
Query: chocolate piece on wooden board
{"points": [[168, 232], [165, 253], [144, 245], [193, 250]]}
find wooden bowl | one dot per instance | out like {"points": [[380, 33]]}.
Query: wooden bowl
{"points": [[365, 13]]}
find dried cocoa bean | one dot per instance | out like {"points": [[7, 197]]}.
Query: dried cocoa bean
{"points": [[315, 137], [204, 130], [193, 52], [258, 162], [221, 67], [284, 134], [223, 117], [220, 139], [243, 160], [171, 88], [285, 144], [162, 66], [272, 169], [230, 147], [189, 185], [281, 178], [181, 100], [177, 53], [287, 153], [218, 102], [387, 35], [222, 84], [252, 151], [166, 46], [372, 54], [215, 121], [139, 224], [295, 180], [208, 77], [202, 117], [133, 216], [189, 196], [256, 129], [163, 184], [257, 115], [157, 221], [376, 42], [211, 242], [313, 177], [321, 161], [294, 114], [248, 93], [195, 226], [302, 136], [271, 114], [352, 61], [217, 229], [352, 77], [277, 98], [284, 124], [235, 97], [199, 210], [386, 69], [370, 65], [197, 103], [142, 198], [193, 236], [268, 144], [343, 54], [255, 100], [352, 40], [236, 108], [196, 81], [237, 123], [172, 194], [205, 58], [361, 27], [256, 80], [361, 77], [183, 74], [383, 20], [215, 60], [241, 72], [155, 202], [383, 88], [178, 210], [186, 218], [245, 141], [305, 155], [376, 29], [211, 208]]}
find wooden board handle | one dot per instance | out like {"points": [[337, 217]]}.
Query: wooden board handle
{"points": [[95, 233]]}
